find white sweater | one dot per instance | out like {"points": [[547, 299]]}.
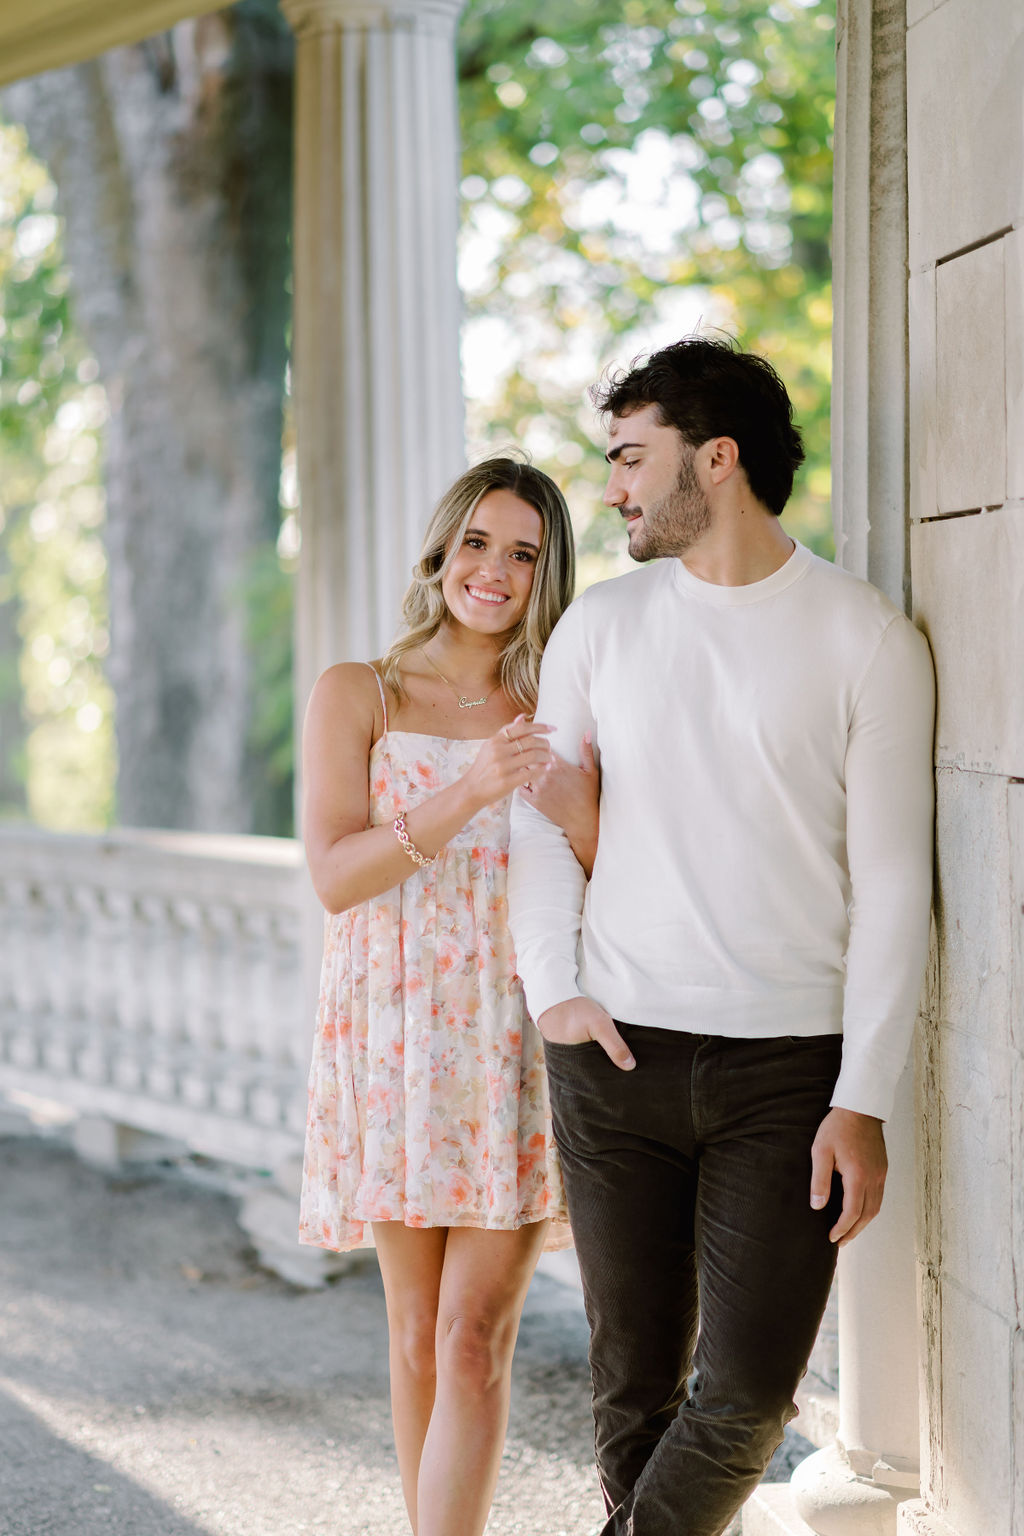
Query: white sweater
{"points": [[764, 862]]}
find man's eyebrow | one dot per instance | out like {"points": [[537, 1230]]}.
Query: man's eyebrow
{"points": [[613, 453], [481, 533]]}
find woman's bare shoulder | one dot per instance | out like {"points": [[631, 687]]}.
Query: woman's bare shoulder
{"points": [[347, 690]]}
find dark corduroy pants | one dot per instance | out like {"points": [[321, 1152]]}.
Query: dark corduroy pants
{"points": [[705, 1271]]}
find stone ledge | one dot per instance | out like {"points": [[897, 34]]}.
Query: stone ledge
{"points": [[771, 1511], [915, 1519]]}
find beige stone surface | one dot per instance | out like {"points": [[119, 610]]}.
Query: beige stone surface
{"points": [[1015, 820], [1017, 1372], [927, 1187], [1013, 1133], [915, 1519], [921, 384], [977, 1438], [1013, 252], [917, 10], [970, 325], [771, 1511], [968, 581], [965, 63], [930, 1302], [972, 909], [976, 1106]]}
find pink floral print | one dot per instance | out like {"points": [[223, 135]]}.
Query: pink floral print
{"points": [[427, 1094]]}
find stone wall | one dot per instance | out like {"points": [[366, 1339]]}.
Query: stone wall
{"points": [[965, 77]]}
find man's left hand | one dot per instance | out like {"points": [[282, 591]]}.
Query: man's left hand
{"points": [[853, 1146]]}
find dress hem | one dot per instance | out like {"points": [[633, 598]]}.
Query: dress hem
{"points": [[559, 1235]]}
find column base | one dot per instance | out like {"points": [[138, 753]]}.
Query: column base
{"points": [[834, 1501], [916, 1519], [771, 1511]]}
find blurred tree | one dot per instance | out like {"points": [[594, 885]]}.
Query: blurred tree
{"points": [[172, 161], [56, 735], [630, 166]]}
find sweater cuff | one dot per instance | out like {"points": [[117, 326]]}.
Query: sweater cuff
{"points": [[555, 982], [861, 1088]]}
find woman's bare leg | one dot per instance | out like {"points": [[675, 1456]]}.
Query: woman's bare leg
{"points": [[484, 1280], [411, 1264]]}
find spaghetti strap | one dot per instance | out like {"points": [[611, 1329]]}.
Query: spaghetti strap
{"points": [[380, 690]]}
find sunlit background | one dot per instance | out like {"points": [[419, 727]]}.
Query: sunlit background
{"points": [[641, 169]]}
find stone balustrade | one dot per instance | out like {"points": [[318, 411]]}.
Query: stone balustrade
{"points": [[155, 979]]}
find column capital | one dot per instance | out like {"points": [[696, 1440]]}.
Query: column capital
{"points": [[309, 17]]}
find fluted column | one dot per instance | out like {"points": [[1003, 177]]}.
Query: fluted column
{"points": [[378, 400], [869, 332], [376, 383], [854, 1487]]}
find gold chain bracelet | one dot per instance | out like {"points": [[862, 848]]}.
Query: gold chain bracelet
{"points": [[406, 841]]}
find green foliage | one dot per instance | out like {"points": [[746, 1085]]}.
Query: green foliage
{"points": [[629, 169], [52, 563]]}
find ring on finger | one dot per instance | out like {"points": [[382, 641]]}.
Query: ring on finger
{"points": [[517, 744], [504, 732]]}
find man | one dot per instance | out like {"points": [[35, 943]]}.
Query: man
{"points": [[727, 1005]]}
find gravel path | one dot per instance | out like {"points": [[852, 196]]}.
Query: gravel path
{"points": [[155, 1382]]}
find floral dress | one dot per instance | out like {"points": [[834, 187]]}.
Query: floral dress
{"points": [[427, 1094]]}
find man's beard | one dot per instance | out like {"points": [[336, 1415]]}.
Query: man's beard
{"points": [[674, 524]]}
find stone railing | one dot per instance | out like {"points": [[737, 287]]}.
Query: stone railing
{"points": [[155, 979]]}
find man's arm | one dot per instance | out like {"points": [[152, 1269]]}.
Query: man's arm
{"points": [[889, 837], [546, 885]]}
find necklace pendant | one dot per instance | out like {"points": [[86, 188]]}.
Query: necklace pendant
{"points": [[465, 703]]}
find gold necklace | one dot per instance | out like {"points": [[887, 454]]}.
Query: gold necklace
{"points": [[464, 703]]}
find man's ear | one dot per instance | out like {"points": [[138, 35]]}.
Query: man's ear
{"points": [[723, 458]]}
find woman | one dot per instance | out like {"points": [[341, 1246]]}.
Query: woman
{"points": [[428, 1102]]}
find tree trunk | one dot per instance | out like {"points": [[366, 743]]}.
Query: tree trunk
{"points": [[172, 160], [13, 802]]}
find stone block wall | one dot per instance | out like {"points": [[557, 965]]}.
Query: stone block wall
{"points": [[965, 79]]}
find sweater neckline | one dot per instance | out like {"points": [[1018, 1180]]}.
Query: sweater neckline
{"points": [[791, 570]]}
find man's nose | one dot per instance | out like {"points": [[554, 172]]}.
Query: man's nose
{"points": [[614, 491]]}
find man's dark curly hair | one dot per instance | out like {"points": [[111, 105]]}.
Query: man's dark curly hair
{"points": [[707, 388]]}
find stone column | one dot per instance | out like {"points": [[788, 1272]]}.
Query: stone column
{"points": [[377, 392], [869, 338], [853, 1487], [856, 1485], [376, 385]]}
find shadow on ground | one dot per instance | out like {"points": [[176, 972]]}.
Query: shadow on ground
{"points": [[154, 1381]]}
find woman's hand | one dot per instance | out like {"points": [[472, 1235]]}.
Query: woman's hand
{"points": [[349, 861], [506, 761], [569, 797]]}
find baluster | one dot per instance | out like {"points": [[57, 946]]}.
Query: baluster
{"points": [[125, 1025], [58, 1026], [227, 1002], [94, 1056], [24, 1039], [195, 1083]]}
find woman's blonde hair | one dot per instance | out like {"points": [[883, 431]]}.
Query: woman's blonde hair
{"points": [[424, 609]]}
